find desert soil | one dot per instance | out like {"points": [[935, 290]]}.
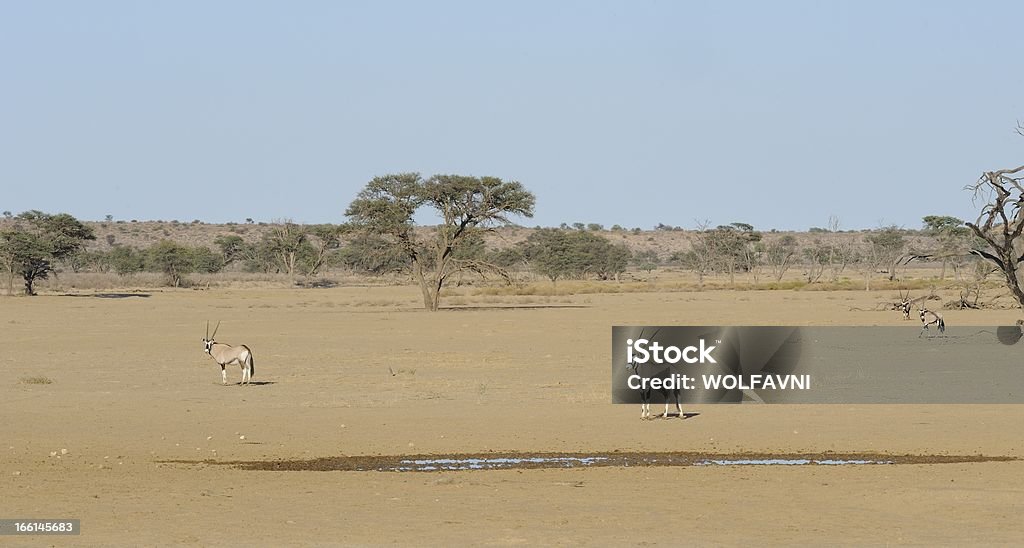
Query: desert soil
{"points": [[362, 371]]}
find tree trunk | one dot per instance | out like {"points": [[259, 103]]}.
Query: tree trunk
{"points": [[1009, 258], [431, 297], [435, 292], [28, 286]]}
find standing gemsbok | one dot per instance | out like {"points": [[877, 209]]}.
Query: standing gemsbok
{"points": [[225, 354], [651, 370], [929, 317]]}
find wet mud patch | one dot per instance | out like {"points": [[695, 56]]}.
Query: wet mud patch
{"points": [[527, 460]]}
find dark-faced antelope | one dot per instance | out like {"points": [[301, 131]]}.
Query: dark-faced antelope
{"points": [[650, 370], [225, 354], [931, 318], [904, 304]]}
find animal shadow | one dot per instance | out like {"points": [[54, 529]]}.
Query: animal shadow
{"points": [[684, 416], [109, 295]]}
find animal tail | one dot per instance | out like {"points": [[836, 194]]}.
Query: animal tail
{"points": [[252, 362], [942, 325]]}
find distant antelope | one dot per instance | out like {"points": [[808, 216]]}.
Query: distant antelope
{"points": [[225, 354], [651, 370], [931, 318], [904, 304]]}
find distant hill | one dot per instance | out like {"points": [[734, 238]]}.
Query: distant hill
{"points": [[664, 242]]}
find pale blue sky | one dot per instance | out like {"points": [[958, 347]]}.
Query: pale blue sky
{"points": [[612, 112]]}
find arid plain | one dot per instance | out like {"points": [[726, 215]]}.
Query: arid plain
{"points": [[143, 418]]}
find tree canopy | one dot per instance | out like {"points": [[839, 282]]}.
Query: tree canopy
{"points": [[467, 205], [558, 253], [31, 245]]}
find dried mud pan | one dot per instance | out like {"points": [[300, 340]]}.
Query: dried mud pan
{"points": [[506, 461]]}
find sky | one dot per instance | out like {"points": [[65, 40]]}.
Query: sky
{"points": [[778, 114]]}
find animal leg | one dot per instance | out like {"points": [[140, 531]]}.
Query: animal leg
{"points": [[223, 375]]}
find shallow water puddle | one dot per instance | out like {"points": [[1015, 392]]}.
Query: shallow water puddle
{"points": [[524, 460], [788, 462], [426, 465]]}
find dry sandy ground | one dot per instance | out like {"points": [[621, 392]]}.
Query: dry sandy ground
{"points": [[132, 388]]}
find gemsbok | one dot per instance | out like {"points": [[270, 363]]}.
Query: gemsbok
{"points": [[929, 317], [904, 305], [651, 370], [225, 354]]}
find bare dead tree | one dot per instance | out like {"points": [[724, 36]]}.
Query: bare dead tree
{"points": [[971, 289], [841, 250], [701, 257], [780, 255], [1000, 223]]}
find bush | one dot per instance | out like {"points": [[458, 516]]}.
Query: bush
{"points": [[372, 255], [172, 259], [205, 261], [577, 254], [127, 260]]}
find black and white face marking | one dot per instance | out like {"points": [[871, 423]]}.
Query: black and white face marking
{"points": [[209, 345]]}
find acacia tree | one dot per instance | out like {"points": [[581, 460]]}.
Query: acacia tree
{"points": [[733, 250], [285, 243], [703, 252], [841, 251], [549, 252], [952, 237], [886, 249], [174, 260], [1000, 224], [646, 260], [780, 255], [322, 241], [35, 241], [557, 253], [127, 260], [232, 247], [816, 257], [467, 207]]}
